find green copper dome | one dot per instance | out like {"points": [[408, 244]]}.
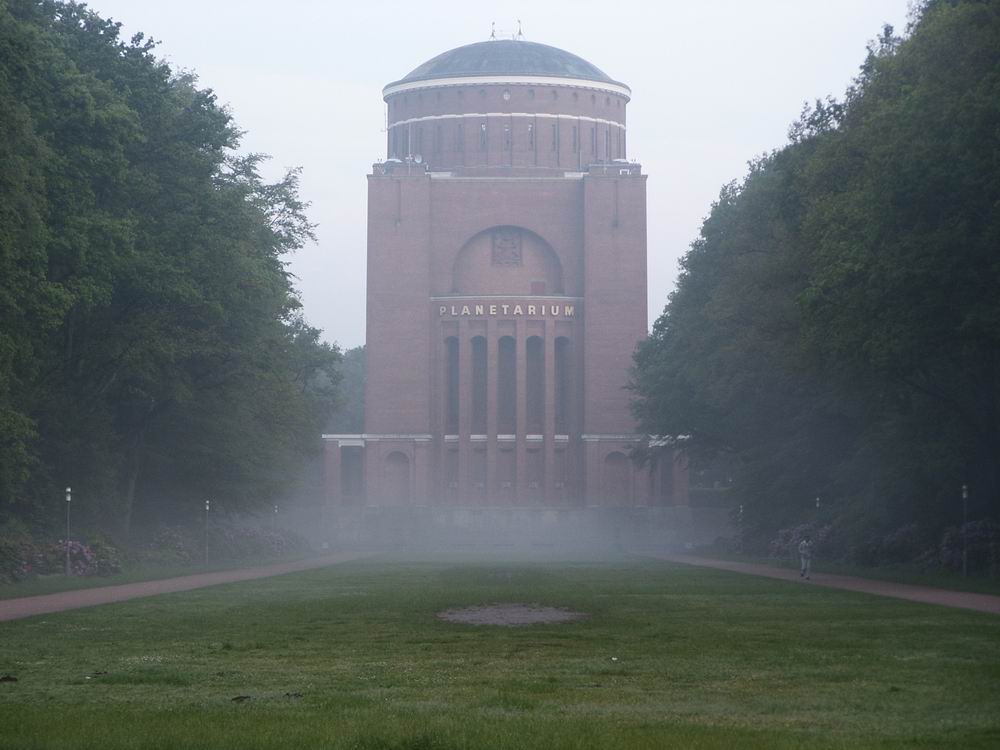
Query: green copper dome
{"points": [[506, 57]]}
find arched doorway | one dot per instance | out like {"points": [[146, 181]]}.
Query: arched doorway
{"points": [[397, 479], [617, 479]]}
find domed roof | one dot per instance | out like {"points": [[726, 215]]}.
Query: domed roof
{"points": [[506, 57]]}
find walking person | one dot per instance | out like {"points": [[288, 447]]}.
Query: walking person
{"points": [[805, 556]]}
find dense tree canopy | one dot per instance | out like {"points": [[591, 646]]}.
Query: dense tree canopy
{"points": [[152, 352], [836, 327]]}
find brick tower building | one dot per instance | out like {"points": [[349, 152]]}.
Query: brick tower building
{"points": [[506, 294]]}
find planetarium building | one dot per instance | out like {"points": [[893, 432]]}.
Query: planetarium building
{"points": [[506, 295]]}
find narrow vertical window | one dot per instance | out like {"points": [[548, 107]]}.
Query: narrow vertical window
{"points": [[460, 137], [562, 385], [506, 386], [593, 140], [451, 375], [607, 144], [535, 385], [531, 136], [555, 138], [438, 140], [506, 138], [482, 136], [576, 146], [479, 395]]}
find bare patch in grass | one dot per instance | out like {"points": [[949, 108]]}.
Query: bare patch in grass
{"points": [[510, 615]]}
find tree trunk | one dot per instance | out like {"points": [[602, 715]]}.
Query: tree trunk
{"points": [[131, 480]]}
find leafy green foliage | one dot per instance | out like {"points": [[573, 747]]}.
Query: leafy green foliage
{"points": [[152, 350], [836, 327]]}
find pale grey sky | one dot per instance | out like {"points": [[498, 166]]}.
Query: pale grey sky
{"points": [[714, 83]]}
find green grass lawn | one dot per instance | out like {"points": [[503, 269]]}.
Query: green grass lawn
{"points": [[353, 656]]}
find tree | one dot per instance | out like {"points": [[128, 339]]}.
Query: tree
{"points": [[152, 346], [836, 326]]}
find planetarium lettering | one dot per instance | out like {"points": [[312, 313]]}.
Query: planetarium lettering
{"points": [[509, 310]]}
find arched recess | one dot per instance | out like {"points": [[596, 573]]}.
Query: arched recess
{"points": [[396, 483], [507, 260], [616, 479]]}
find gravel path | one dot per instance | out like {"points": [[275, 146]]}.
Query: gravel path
{"points": [[925, 594], [13, 609]]}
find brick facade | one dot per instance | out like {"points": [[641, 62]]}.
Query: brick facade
{"points": [[506, 295]]}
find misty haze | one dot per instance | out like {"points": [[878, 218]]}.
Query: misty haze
{"points": [[604, 378]]}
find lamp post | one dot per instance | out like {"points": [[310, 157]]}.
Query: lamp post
{"points": [[208, 505], [69, 498], [965, 531], [275, 515]]}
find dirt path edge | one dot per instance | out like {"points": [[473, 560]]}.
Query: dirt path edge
{"points": [[29, 606], [925, 594]]}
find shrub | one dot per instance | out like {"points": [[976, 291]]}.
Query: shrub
{"points": [[900, 545], [983, 538], [786, 543], [242, 542], [82, 561], [172, 545], [107, 558], [19, 559]]}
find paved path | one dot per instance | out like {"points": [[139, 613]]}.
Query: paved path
{"points": [[13, 609], [925, 594]]}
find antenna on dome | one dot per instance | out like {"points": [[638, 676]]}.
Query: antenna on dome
{"points": [[520, 34], [493, 30]]}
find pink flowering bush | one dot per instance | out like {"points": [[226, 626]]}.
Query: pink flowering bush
{"points": [[19, 559], [25, 558]]}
